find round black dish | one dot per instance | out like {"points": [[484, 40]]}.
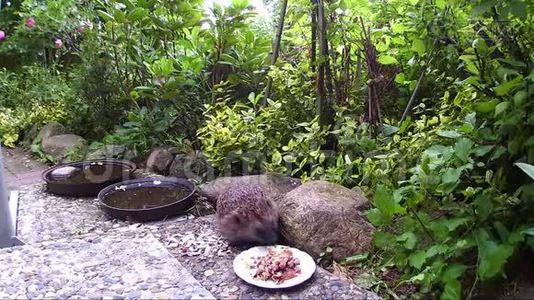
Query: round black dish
{"points": [[147, 199], [98, 174]]}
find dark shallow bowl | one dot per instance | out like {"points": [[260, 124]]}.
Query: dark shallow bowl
{"points": [[92, 176], [147, 199]]}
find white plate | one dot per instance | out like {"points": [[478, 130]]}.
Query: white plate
{"points": [[244, 260]]}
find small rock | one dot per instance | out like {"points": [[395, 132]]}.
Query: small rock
{"points": [[161, 295], [134, 295], [160, 159], [209, 273]]}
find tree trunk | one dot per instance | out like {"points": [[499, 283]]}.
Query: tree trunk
{"points": [[276, 47], [324, 78], [313, 49]]}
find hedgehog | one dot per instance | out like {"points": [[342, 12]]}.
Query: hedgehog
{"points": [[246, 216]]}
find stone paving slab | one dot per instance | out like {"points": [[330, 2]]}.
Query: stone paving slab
{"points": [[126, 262]]}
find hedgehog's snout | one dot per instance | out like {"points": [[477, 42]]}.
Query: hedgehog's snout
{"points": [[266, 235]]}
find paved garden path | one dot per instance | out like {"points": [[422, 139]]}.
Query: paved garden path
{"points": [[74, 251], [20, 168]]}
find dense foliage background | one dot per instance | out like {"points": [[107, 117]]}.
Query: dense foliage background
{"points": [[426, 105]]}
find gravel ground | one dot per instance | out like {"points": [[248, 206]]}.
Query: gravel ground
{"points": [[201, 250], [126, 262], [194, 242], [43, 216]]}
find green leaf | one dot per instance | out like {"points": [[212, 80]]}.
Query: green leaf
{"points": [[387, 60], [104, 15], [487, 106], [450, 180], [419, 46], [518, 8], [483, 150], [483, 206], [440, 4], [409, 239], [451, 290], [400, 78], [453, 272], [137, 14], [356, 258], [449, 134], [529, 231], [383, 240], [492, 257], [385, 202], [418, 259], [507, 86], [527, 168], [501, 107], [462, 149], [276, 158]]}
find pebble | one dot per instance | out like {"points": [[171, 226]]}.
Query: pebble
{"points": [[133, 294]]}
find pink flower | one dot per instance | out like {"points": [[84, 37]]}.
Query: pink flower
{"points": [[58, 43], [2, 35], [30, 22]]}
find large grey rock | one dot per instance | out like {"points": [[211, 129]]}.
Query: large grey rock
{"points": [[58, 146], [49, 130], [160, 159], [112, 152], [273, 185], [320, 214]]}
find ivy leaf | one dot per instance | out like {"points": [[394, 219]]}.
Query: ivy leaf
{"points": [[451, 290], [462, 149], [492, 257], [387, 60], [527, 168]]}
